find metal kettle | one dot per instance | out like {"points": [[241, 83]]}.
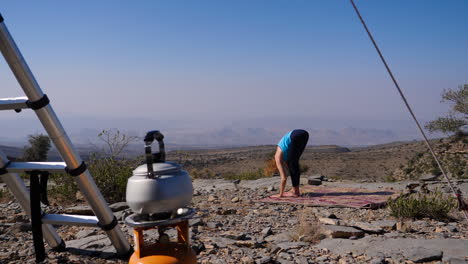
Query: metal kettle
{"points": [[158, 186]]}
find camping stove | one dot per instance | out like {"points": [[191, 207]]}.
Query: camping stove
{"points": [[163, 251], [158, 194]]}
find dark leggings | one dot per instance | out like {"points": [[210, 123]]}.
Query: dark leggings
{"points": [[299, 140]]}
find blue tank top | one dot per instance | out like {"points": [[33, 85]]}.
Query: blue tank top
{"points": [[284, 144]]}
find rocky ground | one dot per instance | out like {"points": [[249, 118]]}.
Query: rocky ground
{"points": [[231, 226]]}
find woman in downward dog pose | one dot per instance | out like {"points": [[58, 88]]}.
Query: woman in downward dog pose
{"points": [[287, 156]]}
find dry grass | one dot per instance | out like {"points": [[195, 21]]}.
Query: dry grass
{"points": [[270, 168], [308, 229], [5, 195]]}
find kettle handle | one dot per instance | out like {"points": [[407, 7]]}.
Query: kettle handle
{"points": [[149, 138]]}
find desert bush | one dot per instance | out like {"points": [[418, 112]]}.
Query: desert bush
{"points": [[435, 205], [390, 178], [249, 175], [111, 175], [39, 146], [109, 168], [204, 173], [458, 115], [63, 188], [303, 168], [115, 142], [452, 156]]}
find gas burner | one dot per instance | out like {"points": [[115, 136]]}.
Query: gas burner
{"points": [[159, 219]]}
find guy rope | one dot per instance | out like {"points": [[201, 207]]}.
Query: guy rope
{"points": [[457, 194]]}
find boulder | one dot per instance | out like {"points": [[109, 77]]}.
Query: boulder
{"points": [[267, 231], [314, 181], [317, 177]]}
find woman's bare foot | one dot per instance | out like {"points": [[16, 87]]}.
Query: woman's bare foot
{"points": [[286, 194], [291, 194]]}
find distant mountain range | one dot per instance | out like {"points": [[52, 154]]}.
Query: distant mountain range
{"points": [[263, 136], [226, 137], [196, 134]]}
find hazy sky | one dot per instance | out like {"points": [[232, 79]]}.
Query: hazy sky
{"points": [[239, 59]]}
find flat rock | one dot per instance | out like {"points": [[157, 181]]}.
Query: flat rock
{"points": [[335, 231], [367, 227], [421, 254], [212, 198], [387, 225], [392, 247], [85, 233], [222, 242], [120, 206], [452, 228], [196, 222], [457, 261], [247, 243], [264, 260], [79, 210], [428, 177], [278, 238], [233, 235], [378, 260], [284, 255], [96, 242], [247, 260], [329, 221], [291, 245], [213, 225]]}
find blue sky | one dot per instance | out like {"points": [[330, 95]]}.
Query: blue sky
{"points": [[223, 60]]}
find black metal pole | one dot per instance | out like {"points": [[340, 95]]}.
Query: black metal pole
{"points": [[36, 216]]}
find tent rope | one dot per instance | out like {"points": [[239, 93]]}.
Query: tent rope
{"points": [[455, 193]]}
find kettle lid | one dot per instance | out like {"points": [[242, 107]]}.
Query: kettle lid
{"points": [[160, 168]]}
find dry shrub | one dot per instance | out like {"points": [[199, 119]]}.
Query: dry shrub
{"points": [[307, 230], [204, 173], [63, 189], [270, 168], [5, 195]]}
